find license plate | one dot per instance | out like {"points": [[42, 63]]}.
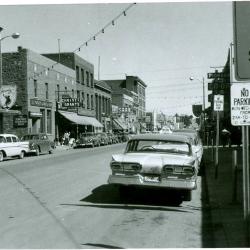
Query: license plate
{"points": [[151, 179]]}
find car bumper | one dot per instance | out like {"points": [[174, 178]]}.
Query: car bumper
{"points": [[138, 180]]}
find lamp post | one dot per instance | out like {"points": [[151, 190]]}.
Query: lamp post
{"points": [[191, 78], [14, 36]]}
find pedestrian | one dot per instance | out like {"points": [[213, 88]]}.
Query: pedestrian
{"points": [[66, 138]]}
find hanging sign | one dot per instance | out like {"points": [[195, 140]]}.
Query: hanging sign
{"points": [[240, 104]]}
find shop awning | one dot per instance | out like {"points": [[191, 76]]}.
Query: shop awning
{"points": [[119, 124], [80, 119]]}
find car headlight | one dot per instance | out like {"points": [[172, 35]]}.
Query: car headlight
{"points": [[115, 166]]}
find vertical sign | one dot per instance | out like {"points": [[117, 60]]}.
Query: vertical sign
{"points": [[241, 13], [218, 103]]}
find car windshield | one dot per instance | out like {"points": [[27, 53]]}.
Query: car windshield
{"points": [[156, 146], [30, 137]]}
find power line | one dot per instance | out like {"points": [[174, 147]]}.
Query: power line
{"points": [[92, 38]]}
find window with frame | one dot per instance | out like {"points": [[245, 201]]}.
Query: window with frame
{"points": [[87, 78], [87, 101], [77, 74], [83, 100], [46, 90], [58, 92], [82, 76], [92, 102], [42, 121], [49, 122], [35, 87], [92, 80]]}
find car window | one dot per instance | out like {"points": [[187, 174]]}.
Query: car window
{"points": [[158, 146], [2, 139], [8, 139], [14, 139]]}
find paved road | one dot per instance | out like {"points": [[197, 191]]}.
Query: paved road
{"points": [[63, 201]]}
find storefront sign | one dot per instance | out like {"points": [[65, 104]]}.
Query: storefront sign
{"points": [[70, 103], [20, 121], [41, 103], [7, 96]]}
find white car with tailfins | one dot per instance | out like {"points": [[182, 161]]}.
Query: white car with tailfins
{"points": [[159, 161]]}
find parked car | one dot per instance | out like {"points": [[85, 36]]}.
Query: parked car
{"points": [[104, 139], [87, 140], [196, 141], [39, 143], [157, 160], [11, 146]]}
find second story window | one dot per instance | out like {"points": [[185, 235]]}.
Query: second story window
{"points": [[87, 101], [91, 80], [82, 76], [77, 74], [73, 93], [92, 102], [58, 92], [87, 78], [46, 90], [35, 88]]}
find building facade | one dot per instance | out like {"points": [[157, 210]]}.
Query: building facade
{"points": [[47, 97], [103, 104], [131, 89]]}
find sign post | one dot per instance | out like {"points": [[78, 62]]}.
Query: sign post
{"points": [[218, 106]]}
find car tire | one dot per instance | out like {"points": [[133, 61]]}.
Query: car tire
{"points": [[51, 151], [37, 153], [21, 155], [187, 195], [1, 156]]}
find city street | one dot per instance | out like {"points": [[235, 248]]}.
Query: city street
{"points": [[63, 201]]}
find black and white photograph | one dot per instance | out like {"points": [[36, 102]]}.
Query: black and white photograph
{"points": [[124, 124]]}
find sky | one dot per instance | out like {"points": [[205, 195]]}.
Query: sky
{"points": [[163, 43]]}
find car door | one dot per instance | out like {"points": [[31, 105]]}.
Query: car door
{"points": [[11, 148]]}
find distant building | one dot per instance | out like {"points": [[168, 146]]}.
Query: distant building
{"points": [[103, 104], [133, 87]]}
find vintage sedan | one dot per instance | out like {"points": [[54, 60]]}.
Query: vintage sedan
{"points": [[87, 140], [11, 146], [196, 142], [39, 143], [157, 160]]}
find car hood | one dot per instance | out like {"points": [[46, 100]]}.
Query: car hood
{"points": [[154, 162]]}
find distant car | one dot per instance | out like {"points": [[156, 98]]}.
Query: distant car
{"points": [[104, 139], [11, 146], [159, 161], [39, 143], [87, 140]]}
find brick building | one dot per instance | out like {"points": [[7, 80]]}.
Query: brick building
{"points": [[42, 88], [103, 102], [132, 89]]}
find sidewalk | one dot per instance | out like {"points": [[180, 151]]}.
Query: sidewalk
{"points": [[228, 225], [62, 148]]}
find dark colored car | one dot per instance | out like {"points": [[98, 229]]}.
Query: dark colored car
{"points": [[39, 143], [87, 140], [104, 139]]}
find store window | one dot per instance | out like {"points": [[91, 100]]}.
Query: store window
{"points": [[49, 122], [42, 121]]}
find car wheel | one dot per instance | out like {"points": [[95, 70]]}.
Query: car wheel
{"points": [[51, 151], [37, 153], [1, 156], [21, 156], [187, 195]]}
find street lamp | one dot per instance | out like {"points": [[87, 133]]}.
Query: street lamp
{"points": [[14, 36], [191, 78]]}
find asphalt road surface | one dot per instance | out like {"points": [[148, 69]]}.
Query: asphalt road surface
{"points": [[63, 201]]}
